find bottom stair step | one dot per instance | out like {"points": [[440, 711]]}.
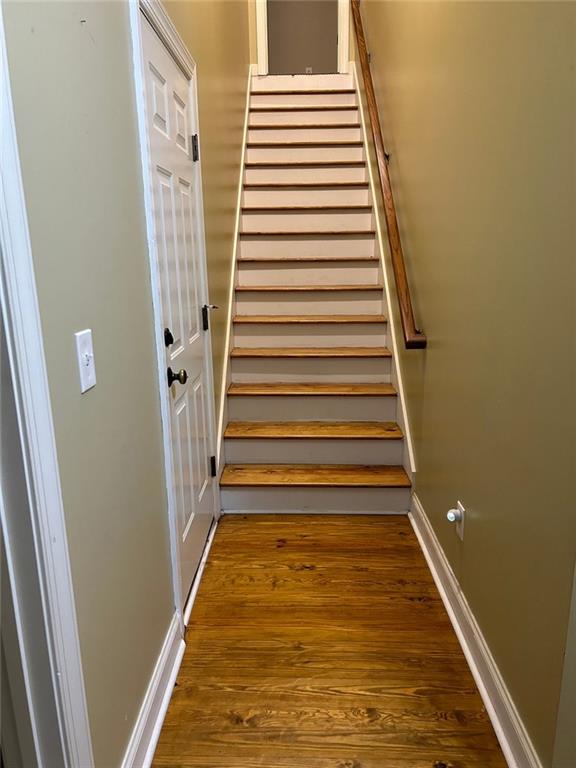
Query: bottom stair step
{"points": [[314, 476]]}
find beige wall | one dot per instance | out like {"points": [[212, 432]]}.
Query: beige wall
{"points": [[217, 35], [478, 109], [70, 68]]}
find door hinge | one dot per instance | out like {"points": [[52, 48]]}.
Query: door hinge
{"points": [[212, 466], [195, 151]]}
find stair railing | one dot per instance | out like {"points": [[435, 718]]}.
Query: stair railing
{"points": [[413, 337]]}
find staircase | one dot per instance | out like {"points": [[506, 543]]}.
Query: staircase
{"points": [[311, 407]]}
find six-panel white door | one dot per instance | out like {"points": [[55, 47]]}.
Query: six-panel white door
{"points": [[170, 113]]}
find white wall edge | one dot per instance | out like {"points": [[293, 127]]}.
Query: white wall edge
{"points": [[142, 744], [28, 365], [222, 411], [397, 378], [512, 735], [262, 37], [343, 36]]}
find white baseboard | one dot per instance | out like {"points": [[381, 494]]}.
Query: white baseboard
{"points": [[146, 731], [512, 735], [199, 573]]}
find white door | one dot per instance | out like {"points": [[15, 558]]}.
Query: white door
{"points": [[171, 121]]}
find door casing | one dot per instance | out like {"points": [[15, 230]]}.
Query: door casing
{"points": [[343, 36], [157, 16]]}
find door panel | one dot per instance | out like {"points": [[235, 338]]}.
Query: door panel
{"points": [[178, 228], [302, 34]]}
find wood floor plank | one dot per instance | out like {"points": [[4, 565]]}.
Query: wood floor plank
{"points": [[311, 389], [314, 476], [322, 642]]}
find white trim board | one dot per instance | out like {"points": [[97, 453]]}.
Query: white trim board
{"points": [[146, 733], [27, 361], [343, 36], [512, 735]]}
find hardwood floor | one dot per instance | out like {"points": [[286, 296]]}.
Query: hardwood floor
{"points": [[322, 642]]}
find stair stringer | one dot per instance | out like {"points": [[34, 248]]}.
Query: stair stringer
{"points": [[231, 308], [409, 460]]}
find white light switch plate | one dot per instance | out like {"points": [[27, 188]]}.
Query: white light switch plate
{"points": [[86, 364]]}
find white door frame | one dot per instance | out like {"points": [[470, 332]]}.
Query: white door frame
{"points": [[24, 339], [343, 36], [156, 14]]}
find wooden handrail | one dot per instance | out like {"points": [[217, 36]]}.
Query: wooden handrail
{"points": [[413, 337]]}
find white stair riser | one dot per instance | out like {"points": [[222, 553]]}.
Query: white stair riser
{"points": [[343, 370], [304, 117], [295, 175], [292, 408], [308, 245], [268, 335], [315, 273], [295, 82], [297, 117], [302, 99], [308, 221], [304, 154], [348, 500], [313, 451], [289, 196], [304, 134], [309, 302]]}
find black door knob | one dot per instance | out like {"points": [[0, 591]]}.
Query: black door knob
{"points": [[181, 376]]}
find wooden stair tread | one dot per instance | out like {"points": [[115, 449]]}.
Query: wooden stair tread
{"points": [[313, 430], [300, 126], [307, 185], [306, 108], [314, 475], [310, 288], [311, 389], [264, 259], [297, 352], [305, 319], [305, 164], [315, 233], [300, 144], [298, 92], [297, 208]]}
